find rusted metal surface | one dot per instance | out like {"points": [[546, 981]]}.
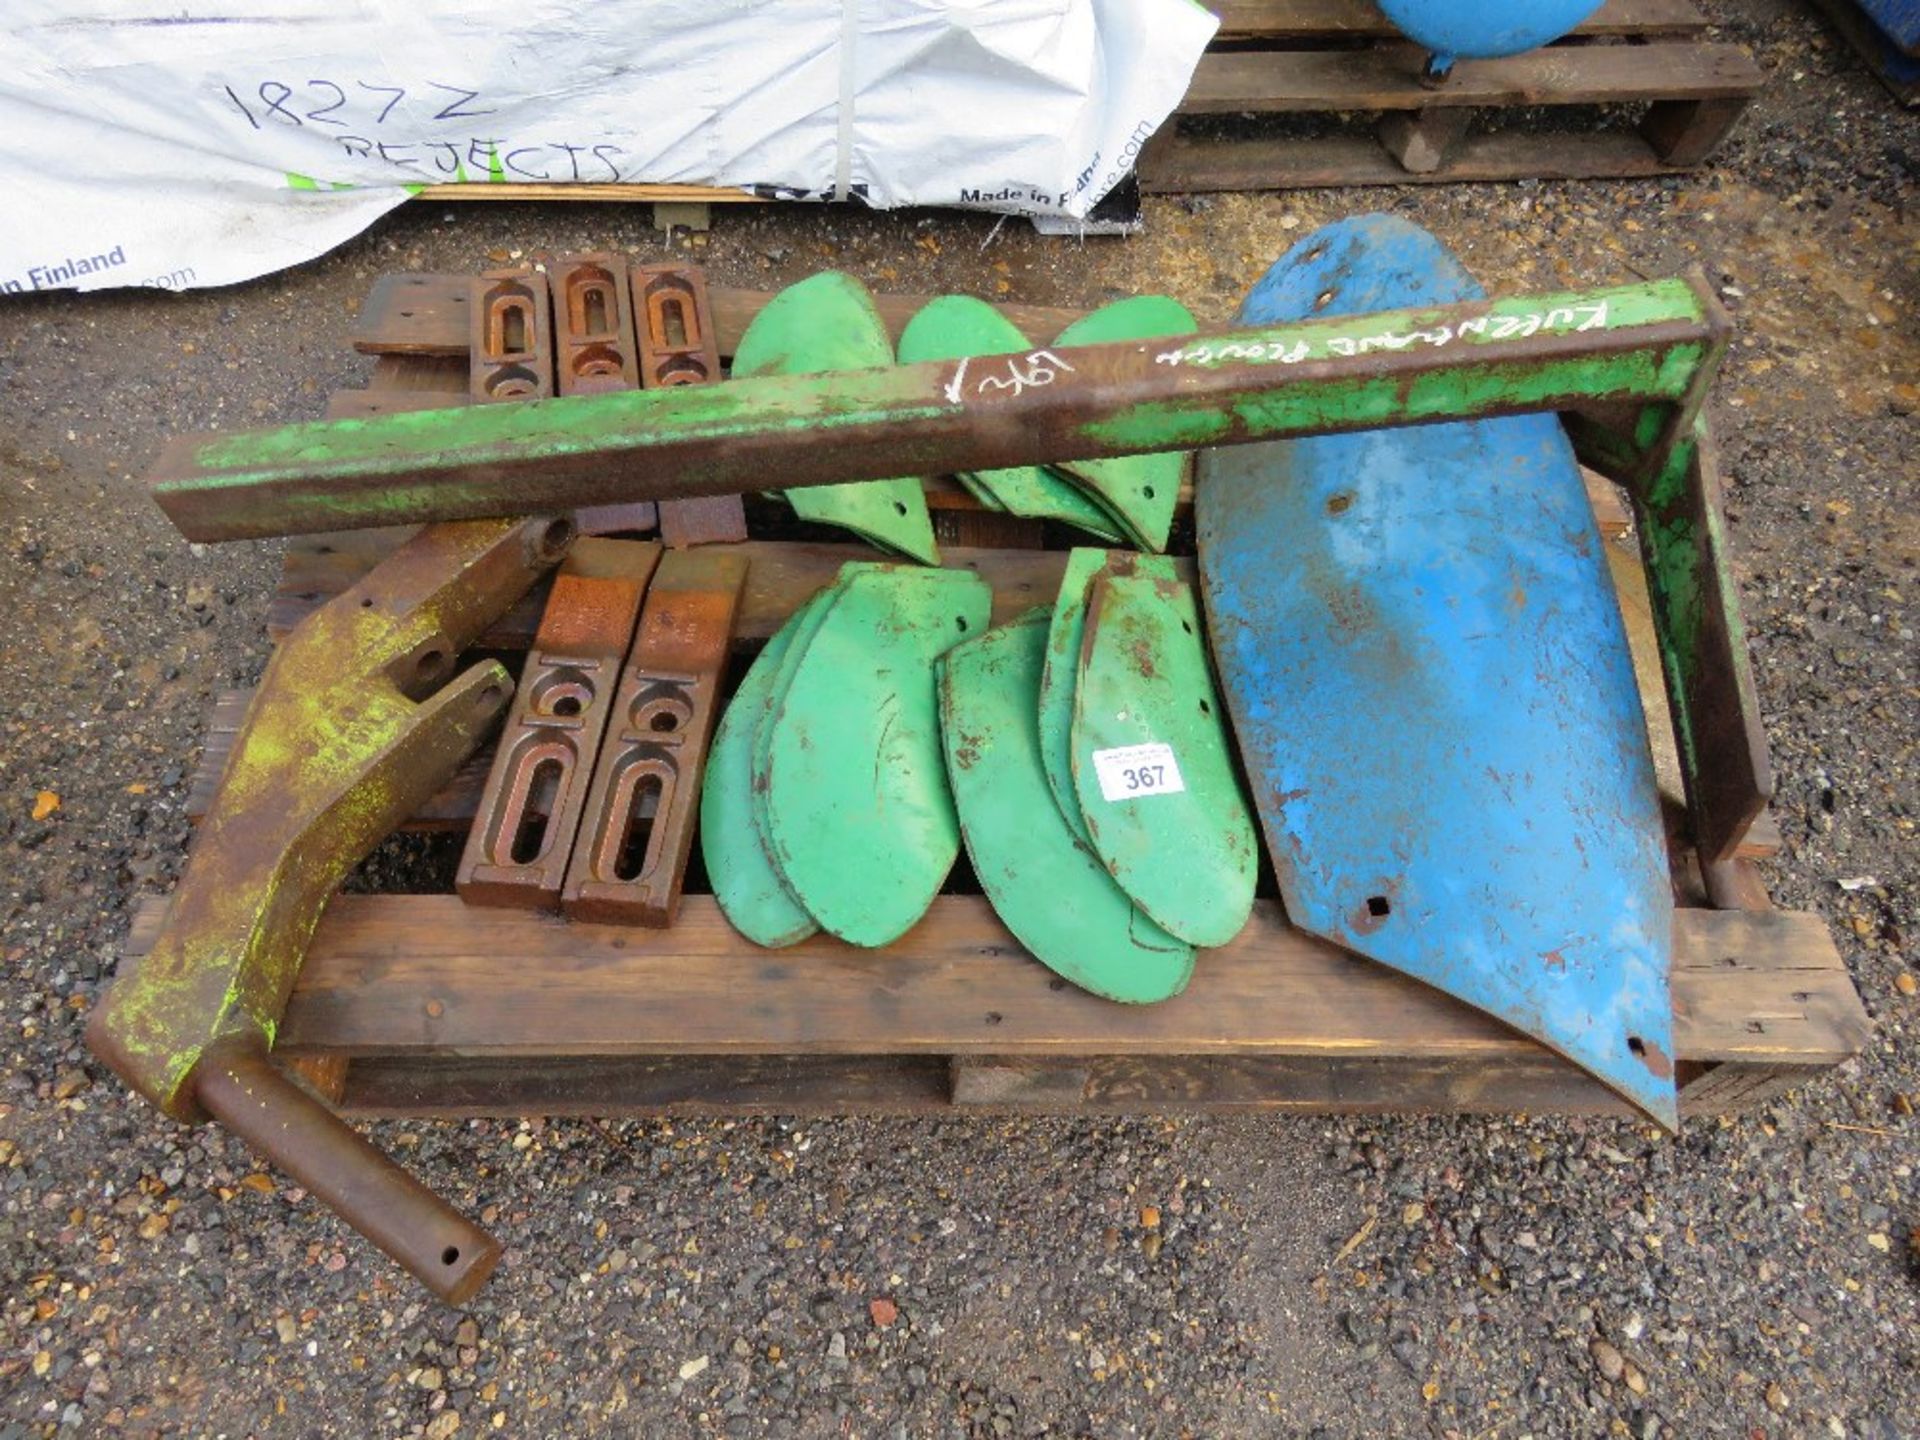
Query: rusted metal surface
{"points": [[636, 830], [594, 346], [523, 832], [510, 356], [1651, 344], [244, 1091], [356, 724], [595, 352], [679, 345]]}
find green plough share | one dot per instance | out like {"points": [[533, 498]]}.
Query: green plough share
{"points": [[1151, 764], [1059, 675], [1045, 886], [955, 326], [854, 792], [827, 322], [1138, 491], [745, 883]]}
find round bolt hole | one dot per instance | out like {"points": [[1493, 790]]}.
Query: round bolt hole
{"points": [[450, 1255], [1205, 708], [366, 602], [1147, 491], [665, 721], [557, 535], [961, 621], [1379, 906], [567, 705], [899, 507], [1323, 299], [431, 662], [1315, 253]]}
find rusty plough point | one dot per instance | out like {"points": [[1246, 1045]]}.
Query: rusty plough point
{"points": [[678, 346], [355, 725], [637, 831], [595, 352], [593, 324], [523, 832], [512, 339]]}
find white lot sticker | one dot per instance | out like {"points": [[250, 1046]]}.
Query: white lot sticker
{"points": [[1132, 772]]}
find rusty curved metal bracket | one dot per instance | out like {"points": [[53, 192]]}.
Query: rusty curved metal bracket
{"points": [[358, 720]]}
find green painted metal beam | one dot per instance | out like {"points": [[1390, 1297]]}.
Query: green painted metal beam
{"points": [[1650, 344]]}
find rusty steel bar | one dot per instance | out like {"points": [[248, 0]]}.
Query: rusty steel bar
{"points": [[637, 830], [678, 346], [510, 355], [595, 352], [523, 831], [358, 720], [1651, 344], [244, 1091]]}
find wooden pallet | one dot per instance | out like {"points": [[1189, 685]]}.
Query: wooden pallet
{"points": [[1649, 60], [418, 1004], [1491, 120]]}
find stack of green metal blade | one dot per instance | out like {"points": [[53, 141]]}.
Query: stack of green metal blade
{"points": [[1096, 791], [825, 804], [1126, 501], [828, 322]]}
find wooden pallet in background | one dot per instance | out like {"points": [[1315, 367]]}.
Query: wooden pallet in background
{"points": [[1649, 60], [1316, 58], [418, 1004]]}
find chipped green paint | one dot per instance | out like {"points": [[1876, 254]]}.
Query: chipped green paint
{"points": [[331, 756], [1650, 343], [828, 322], [1138, 491], [856, 805], [954, 327], [1152, 768], [747, 887], [1046, 887]]}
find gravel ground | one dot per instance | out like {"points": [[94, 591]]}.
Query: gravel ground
{"points": [[1283, 1276]]}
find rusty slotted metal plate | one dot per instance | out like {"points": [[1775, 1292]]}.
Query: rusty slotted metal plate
{"points": [[523, 831], [954, 326], [1151, 763], [1049, 890], [510, 352], [827, 322], [636, 830], [1431, 686], [679, 346], [856, 804], [595, 354], [747, 886], [1138, 491]]}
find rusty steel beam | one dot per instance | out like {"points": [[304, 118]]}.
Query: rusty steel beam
{"points": [[678, 346], [523, 831], [631, 858], [358, 720], [595, 352], [1655, 344]]}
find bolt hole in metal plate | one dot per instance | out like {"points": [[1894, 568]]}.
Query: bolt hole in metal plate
{"points": [[828, 322], [1046, 886], [1137, 491], [1151, 768], [1429, 680], [853, 789], [956, 327]]}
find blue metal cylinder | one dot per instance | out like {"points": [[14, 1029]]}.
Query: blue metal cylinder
{"points": [[1482, 29]]}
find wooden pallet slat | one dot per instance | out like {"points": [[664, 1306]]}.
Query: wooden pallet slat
{"points": [[424, 978], [1276, 20]]}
